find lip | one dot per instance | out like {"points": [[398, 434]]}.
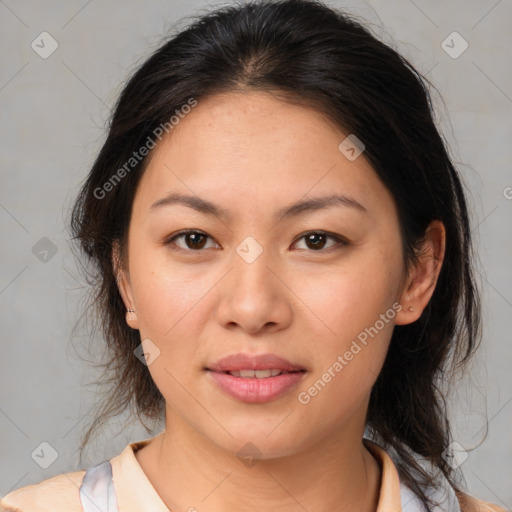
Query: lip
{"points": [[253, 389], [253, 362]]}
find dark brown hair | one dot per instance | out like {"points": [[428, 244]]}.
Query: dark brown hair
{"points": [[309, 54]]}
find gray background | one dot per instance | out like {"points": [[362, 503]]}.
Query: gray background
{"points": [[53, 115]]}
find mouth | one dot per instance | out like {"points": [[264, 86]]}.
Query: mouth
{"points": [[257, 374], [255, 378], [254, 366]]}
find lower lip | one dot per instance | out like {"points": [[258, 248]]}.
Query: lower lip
{"points": [[255, 390]]}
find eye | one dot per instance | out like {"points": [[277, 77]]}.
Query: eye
{"points": [[193, 240], [316, 240]]}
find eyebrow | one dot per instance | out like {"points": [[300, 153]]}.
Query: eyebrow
{"points": [[293, 210]]}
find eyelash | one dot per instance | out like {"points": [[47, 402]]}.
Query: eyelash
{"points": [[341, 242]]}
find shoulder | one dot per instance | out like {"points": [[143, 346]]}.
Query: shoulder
{"points": [[442, 492], [471, 504], [62, 492], [58, 493]]}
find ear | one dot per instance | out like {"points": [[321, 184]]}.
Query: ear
{"points": [[422, 279], [124, 285]]}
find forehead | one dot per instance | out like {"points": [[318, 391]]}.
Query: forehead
{"points": [[246, 148]]}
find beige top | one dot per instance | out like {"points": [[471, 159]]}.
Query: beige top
{"points": [[135, 492]]}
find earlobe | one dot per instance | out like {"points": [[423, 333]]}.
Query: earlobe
{"points": [[131, 318], [423, 277], [124, 286]]}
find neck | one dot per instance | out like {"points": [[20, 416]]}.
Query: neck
{"points": [[191, 473]]}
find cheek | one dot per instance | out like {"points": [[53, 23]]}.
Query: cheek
{"points": [[350, 297], [354, 316], [167, 297], [347, 363], [171, 314]]}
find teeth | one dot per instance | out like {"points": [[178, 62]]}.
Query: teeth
{"points": [[259, 374]]}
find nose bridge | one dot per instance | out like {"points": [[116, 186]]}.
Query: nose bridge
{"points": [[252, 296], [251, 261]]}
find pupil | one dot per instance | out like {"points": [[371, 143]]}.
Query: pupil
{"points": [[194, 237], [314, 236]]}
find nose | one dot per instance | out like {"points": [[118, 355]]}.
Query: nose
{"points": [[253, 296]]}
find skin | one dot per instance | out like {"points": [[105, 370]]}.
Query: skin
{"points": [[253, 154]]}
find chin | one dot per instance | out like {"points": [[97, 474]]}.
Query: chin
{"points": [[256, 443]]}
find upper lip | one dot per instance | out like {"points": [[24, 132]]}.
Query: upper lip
{"points": [[253, 362]]}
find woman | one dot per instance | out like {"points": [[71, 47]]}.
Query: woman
{"points": [[284, 272]]}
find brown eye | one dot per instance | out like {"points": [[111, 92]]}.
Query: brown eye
{"points": [[193, 240], [317, 240]]}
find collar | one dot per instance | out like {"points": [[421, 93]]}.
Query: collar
{"points": [[395, 496], [141, 497], [134, 491]]}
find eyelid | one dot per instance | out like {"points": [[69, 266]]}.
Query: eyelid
{"points": [[341, 241], [169, 240]]}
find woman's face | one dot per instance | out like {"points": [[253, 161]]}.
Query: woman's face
{"points": [[254, 280]]}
